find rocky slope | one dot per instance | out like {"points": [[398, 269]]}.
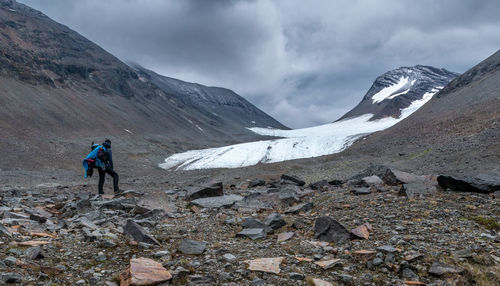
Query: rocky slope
{"points": [[397, 89], [59, 91], [381, 227]]}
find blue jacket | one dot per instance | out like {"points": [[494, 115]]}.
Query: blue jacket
{"points": [[93, 155]]}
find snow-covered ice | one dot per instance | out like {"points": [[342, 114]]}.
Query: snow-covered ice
{"points": [[388, 91], [295, 144]]}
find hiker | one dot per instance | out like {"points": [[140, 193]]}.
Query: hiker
{"points": [[101, 158]]}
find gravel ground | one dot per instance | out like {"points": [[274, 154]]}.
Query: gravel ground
{"points": [[88, 243]]}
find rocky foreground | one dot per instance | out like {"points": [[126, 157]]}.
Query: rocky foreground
{"points": [[381, 227]]}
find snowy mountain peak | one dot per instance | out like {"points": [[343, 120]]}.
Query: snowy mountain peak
{"points": [[395, 90]]}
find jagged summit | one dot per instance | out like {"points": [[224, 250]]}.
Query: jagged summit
{"points": [[399, 88]]}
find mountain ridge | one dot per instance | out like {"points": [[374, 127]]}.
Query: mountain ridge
{"points": [[396, 89], [60, 90], [457, 129], [212, 101]]}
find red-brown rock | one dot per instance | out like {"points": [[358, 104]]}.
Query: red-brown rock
{"points": [[144, 271]]}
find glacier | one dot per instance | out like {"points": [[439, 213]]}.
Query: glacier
{"points": [[294, 144]]}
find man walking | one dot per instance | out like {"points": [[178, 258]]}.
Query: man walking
{"points": [[101, 158], [107, 167]]}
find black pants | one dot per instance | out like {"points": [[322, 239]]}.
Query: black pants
{"points": [[102, 174]]}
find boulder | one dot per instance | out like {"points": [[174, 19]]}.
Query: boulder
{"points": [[213, 190], [382, 172], [292, 180], [138, 233], [412, 190], [217, 202], [274, 222], [408, 178], [252, 233], [253, 223], [480, 184], [329, 230], [144, 271], [190, 246], [372, 180]]}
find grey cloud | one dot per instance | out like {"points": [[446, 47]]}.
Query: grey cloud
{"points": [[303, 62]]}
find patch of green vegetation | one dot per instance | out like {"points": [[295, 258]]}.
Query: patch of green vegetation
{"points": [[488, 222], [481, 275]]}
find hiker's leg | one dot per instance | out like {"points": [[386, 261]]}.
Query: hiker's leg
{"points": [[113, 174], [102, 176]]}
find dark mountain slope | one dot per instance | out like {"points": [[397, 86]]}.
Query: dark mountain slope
{"points": [[397, 89], [220, 107], [459, 128], [58, 91]]}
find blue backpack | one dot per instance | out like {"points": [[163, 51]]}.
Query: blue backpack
{"points": [[95, 159]]}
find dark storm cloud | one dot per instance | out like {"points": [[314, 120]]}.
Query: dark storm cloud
{"points": [[303, 62]]}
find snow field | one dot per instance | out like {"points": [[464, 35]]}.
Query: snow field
{"points": [[296, 144]]}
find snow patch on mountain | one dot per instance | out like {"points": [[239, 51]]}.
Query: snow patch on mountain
{"points": [[390, 90], [296, 144]]}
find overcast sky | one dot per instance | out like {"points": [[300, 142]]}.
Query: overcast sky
{"points": [[303, 62]]}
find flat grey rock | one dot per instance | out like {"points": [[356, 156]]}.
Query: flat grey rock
{"points": [[441, 269], [252, 223], [303, 207], [217, 202], [191, 246], [387, 249], [361, 191], [252, 233]]}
